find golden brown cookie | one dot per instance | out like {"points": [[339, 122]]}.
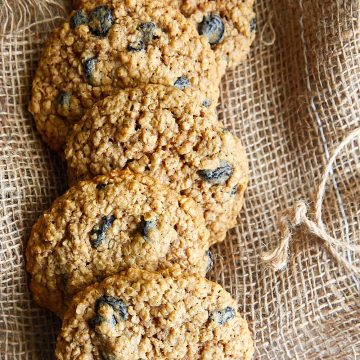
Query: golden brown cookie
{"points": [[164, 133], [143, 315], [114, 45], [229, 26], [107, 224]]}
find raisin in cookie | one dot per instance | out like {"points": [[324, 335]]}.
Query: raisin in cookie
{"points": [[118, 44], [143, 315], [106, 225], [229, 27], [164, 133]]}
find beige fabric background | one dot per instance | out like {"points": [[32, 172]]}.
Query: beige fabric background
{"points": [[291, 103]]}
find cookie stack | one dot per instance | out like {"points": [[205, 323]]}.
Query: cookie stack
{"points": [[126, 92]]}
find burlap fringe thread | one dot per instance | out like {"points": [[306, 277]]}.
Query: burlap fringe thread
{"points": [[277, 259]]}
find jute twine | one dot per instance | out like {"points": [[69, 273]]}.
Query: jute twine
{"points": [[292, 100], [268, 28], [277, 259]]}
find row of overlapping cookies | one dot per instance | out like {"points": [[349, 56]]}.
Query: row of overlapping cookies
{"points": [[126, 91]]}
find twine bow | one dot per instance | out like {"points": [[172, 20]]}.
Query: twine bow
{"points": [[277, 259]]}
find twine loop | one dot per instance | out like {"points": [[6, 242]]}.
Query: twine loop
{"points": [[271, 34], [292, 218]]}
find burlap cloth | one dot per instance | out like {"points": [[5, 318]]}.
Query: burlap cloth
{"points": [[294, 100]]}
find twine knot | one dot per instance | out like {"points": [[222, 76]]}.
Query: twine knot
{"points": [[292, 218], [277, 259]]}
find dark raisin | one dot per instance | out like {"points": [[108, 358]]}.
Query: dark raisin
{"points": [[89, 68], [207, 103], [101, 20], [210, 261], [97, 234], [117, 304], [147, 29], [218, 175], [95, 321], [212, 27], [222, 316], [145, 227], [253, 25], [64, 99], [234, 191], [138, 45], [182, 83], [79, 18], [101, 186], [147, 34]]}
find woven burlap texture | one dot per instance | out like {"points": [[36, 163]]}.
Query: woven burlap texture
{"points": [[294, 100]]}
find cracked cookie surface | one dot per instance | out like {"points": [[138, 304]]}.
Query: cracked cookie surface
{"points": [[114, 45], [143, 315], [108, 224], [164, 133]]}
